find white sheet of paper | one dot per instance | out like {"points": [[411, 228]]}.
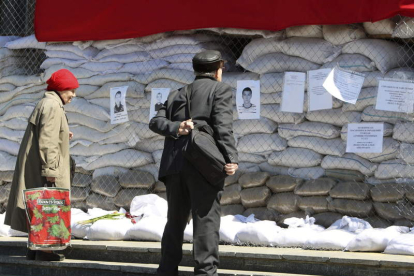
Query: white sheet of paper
{"points": [[395, 96], [293, 93], [119, 113], [319, 98], [344, 85], [365, 137], [158, 97], [248, 99]]}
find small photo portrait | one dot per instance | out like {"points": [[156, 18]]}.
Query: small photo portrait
{"points": [[159, 102], [248, 99], [118, 107]]}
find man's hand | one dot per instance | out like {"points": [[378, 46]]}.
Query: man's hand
{"points": [[51, 179], [70, 135], [231, 168], [186, 127]]}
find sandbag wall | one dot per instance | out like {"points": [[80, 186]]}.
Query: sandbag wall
{"points": [[117, 162]]}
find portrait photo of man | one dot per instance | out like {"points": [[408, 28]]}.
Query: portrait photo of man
{"points": [[159, 103], [248, 99], [118, 103]]}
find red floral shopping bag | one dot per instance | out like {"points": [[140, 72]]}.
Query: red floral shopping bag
{"points": [[48, 213]]}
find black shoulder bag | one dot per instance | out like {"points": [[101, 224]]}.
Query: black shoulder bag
{"points": [[202, 151]]}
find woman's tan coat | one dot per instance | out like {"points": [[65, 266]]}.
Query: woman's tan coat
{"points": [[44, 152]]}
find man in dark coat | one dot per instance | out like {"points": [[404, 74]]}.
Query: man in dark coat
{"points": [[187, 189]]}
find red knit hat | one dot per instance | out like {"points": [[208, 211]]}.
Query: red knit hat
{"points": [[61, 80]]}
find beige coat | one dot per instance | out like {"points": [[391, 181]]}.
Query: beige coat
{"points": [[44, 152]]}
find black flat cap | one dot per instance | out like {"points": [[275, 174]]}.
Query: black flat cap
{"points": [[207, 61]]}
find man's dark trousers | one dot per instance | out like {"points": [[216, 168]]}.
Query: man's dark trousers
{"points": [[189, 190]]}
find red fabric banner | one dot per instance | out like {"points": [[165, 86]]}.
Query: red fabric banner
{"points": [[109, 19]]}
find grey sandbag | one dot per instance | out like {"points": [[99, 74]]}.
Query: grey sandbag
{"points": [[378, 222], [315, 187], [254, 179], [404, 222], [350, 190], [236, 209], [387, 192], [99, 201], [4, 192], [351, 207], [347, 175], [6, 176], [81, 180], [262, 213], [162, 195], [79, 193], [106, 185], [159, 187], [313, 204], [389, 211], [283, 183], [255, 197], [409, 193], [326, 219], [80, 205], [231, 195], [231, 179], [284, 203], [137, 179], [125, 196]]}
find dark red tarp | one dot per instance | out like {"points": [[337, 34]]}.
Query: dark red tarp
{"points": [[72, 20]]}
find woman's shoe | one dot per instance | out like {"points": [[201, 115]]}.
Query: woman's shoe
{"points": [[49, 257], [30, 254]]}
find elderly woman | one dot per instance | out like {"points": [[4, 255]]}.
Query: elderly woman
{"points": [[43, 157]]}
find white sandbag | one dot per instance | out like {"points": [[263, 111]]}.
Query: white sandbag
{"points": [[147, 229], [404, 73], [112, 43], [382, 27], [261, 143], [102, 79], [112, 171], [271, 82], [109, 230], [330, 240], [390, 149], [164, 83], [79, 230], [270, 98], [12, 135], [127, 158], [180, 39], [404, 28], [7, 161], [334, 116], [351, 224], [386, 54], [259, 47], [305, 31], [15, 123], [259, 233], [354, 62], [248, 157], [394, 169], [149, 205], [9, 147], [21, 80], [244, 127], [289, 131], [63, 54], [127, 58], [21, 99], [340, 34], [182, 76], [80, 73], [181, 66], [131, 139], [121, 50], [231, 78], [401, 245], [96, 149], [295, 157], [49, 62], [294, 237], [349, 161], [406, 153], [375, 240], [135, 90], [272, 112], [26, 42], [274, 170], [87, 53], [316, 50], [388, 130], [6, 54], [279, 62], [7, 87], [370, 114], [6, 39], [89, 134], [103, 67], [372, 78], [403, 132], [143, 67], [6, 231], [247, 32], [182, 49], [307, 173], [80, 119], [79, 105], [367, 97], [179, 58], [230, 226], [323, 146]]}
